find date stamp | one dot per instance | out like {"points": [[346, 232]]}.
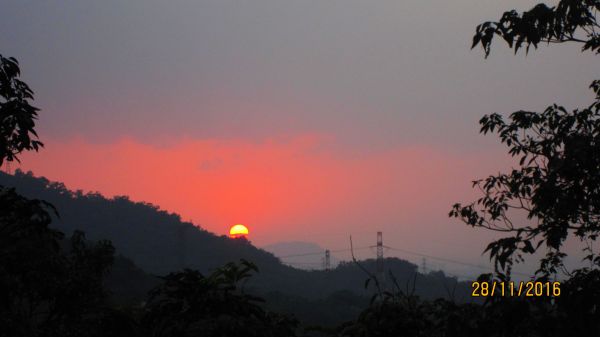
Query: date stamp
{"points": [[515, 289]]}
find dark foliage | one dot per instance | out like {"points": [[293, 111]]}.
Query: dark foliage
{"points": [[46, 290], [190, 304], [574, 313], [557, 186], [568, 21], [49, 286], [17, 115]]}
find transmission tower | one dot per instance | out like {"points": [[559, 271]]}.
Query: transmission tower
{"points": [[424, 266], [379, 253], [327, 261]]}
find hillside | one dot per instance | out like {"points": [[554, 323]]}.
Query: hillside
{"points": [[160, 242]]}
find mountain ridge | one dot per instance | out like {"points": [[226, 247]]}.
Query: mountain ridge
{"points": [[159, 242]]}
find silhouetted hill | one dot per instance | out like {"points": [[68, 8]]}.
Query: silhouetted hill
{"points": [[160, 242], [157, 241]]}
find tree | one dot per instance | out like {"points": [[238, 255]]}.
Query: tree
{"points": [[557, 187], [191, 304], [568, 21], [17, 115], [48, 286], [557, 184], [45, 288]]}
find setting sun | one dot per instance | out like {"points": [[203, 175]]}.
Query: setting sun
{"points": [[238, 231]]}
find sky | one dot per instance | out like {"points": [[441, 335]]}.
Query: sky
{"points": [[304, 120]]}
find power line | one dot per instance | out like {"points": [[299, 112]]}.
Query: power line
{"points": [[406, 252], [450, 260], [305, 263], [321, 252]]}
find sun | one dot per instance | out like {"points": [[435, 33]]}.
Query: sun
{"points": [[238, 231]]}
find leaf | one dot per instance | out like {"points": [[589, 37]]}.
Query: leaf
{"points": [[476, 40], [528, 247]]}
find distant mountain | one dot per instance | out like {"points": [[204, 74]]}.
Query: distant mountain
{"points": [[299, 254], [159, 242]]}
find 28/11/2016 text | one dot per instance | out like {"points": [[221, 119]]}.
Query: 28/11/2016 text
{"points": [[512, 289]]}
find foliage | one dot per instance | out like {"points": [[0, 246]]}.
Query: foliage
{"points": [[574, 313], [557, 186], [579, 300], [568, 21], [190, 304], [17, 115], [46, 290], [403, 315], [328, 311]]}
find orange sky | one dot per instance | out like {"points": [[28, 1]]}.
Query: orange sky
{"points": [[283, 189]]}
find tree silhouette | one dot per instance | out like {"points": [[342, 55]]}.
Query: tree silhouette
{"points": [[190, 304], [568, 21], [557, 185], [17, 115], [48, 286], [47, 289]]}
